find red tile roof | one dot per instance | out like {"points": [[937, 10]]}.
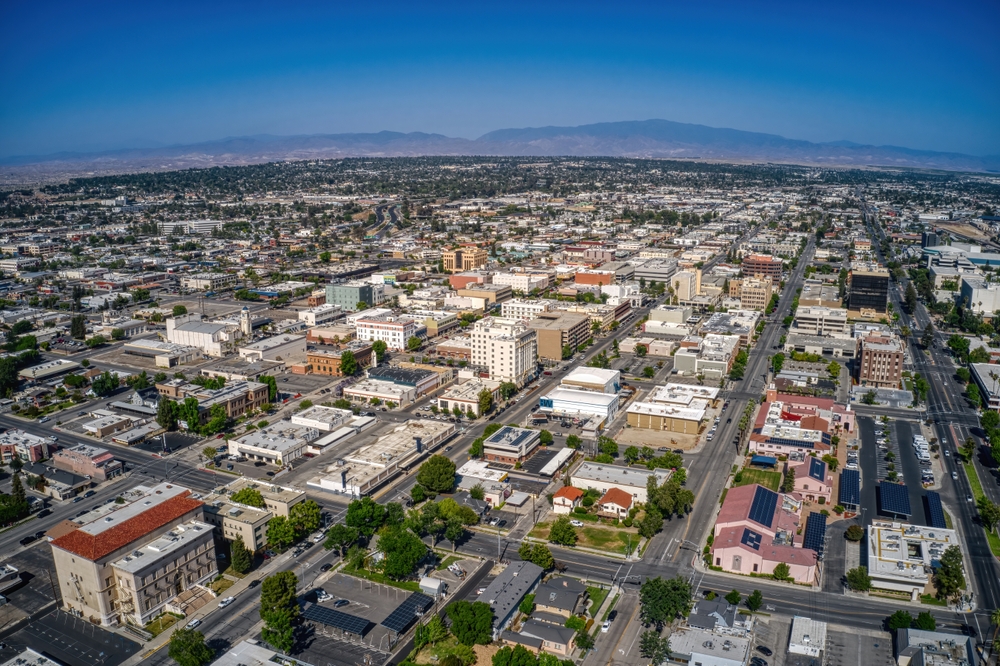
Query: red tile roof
{"points": [[570, 493], [617, 496], [95, 546]]}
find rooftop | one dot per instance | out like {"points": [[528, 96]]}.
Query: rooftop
{"points": [[177, 539], [633, 477]]}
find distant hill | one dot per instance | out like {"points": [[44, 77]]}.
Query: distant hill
{"points": [[647, 138]]}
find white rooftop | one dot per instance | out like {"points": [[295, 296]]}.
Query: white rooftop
{"points": [[693, 413], [621, 476], [178, 538], [808, 636]]}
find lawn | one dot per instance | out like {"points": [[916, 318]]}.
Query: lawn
{"points": [[375, 577], [447, 562], [932, 600], [161, 624], [609, 539], [220, 585], [432, 654], [767, 479], [597, 595]]}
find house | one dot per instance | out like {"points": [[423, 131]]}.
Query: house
{"points": [[566, 499], [507, 590], [812, 480], [551, 638], [720, 617], [561, 596], [615, 504]]}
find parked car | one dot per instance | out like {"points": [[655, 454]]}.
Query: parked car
{"points": [[340, 603], [254, 583], [28, 539], [766, 651], [225, 602], [193, 624], [605, 627], [326, 567], [576, 523]]}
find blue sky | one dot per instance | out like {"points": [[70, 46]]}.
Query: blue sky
{"points": [[105, 75]]}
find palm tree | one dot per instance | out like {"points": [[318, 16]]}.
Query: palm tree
{"points": [[995, 621]]}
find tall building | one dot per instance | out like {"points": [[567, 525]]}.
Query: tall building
{"points": [[464, 259], [686, 284], [929, 239], [122, 563], [518, 309], [349, 294], [246, 327], [556, 330], [869, 290], [762, 265], [507, 349], [393, 331], [754, 293], [880, 362]]}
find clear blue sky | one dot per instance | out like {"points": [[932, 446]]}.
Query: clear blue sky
{"points": [[102, 75]]}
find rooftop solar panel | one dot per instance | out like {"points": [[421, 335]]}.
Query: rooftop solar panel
{"points": [[815, 535], [407, 612], [850, 487], [817, 469], [935, 513], [751, 538], [334, 618], [762, 507], [801, 443], [895, 498]]}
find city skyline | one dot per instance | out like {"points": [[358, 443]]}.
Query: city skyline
{"points": [[126, 77]]}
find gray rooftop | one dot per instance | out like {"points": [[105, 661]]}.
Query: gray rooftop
{"points": [[508, 589]]}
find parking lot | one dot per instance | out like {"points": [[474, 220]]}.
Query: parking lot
{"points": [[843, 648], [37, 588], [70, 640], [371, 601]]}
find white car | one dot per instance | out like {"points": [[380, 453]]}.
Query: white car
{"points": [[318, 538], [605, 626], [576, 523], [193, 623], [225, 602]]}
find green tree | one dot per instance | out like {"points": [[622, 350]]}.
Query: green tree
{"points": [[279, 608], [788, 483], [507, 390], [471, 623], [777, 362], [241, 560], [869, 398], [340, 537], [733, 598], [272, 383], [651, 523], [964, 375], [989, 513], [545, 438], [281, 532], [567, 351], [379, 348], [187, 648], [911, 298], [972, 391], [654, 647], [781, 571], [979, 355], [859, 580], [166, 416], [632, 455], [855, 533], [573, 442], [527, 604], [348, 363], [949, 578], [78, 327], [641, 350], [649, 372], [662, 600], [105, 384], [755, 601], [414, 343], [833, 369], [562, 532], [927, 339], [209, 452], [901, 619], [437, 474], [305, 517], [365, 515], [485, 401], [401, 550], [117, 334], [324, 257], [925, 621], [989, 420], [959, 345], [179, 311]]}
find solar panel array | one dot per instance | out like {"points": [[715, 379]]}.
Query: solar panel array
{"points": [[815, 536], [762, 508], [750, 538], [935, 514], [895, 498], [850, 487], [817, 469], [334, 618], [801, 443], [406, 612]]}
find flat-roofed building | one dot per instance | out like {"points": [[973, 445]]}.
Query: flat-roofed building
{"points": [[900, 555], [209, 281], [466, 396], [321, 315], [327, 362], [94, 577], [371, 391], [213, 338], [24, 446], [524, 282], [322, 418], [491, 293], [395, 332], [816, 293], [808, 637], [511, 445], [277, 444], [754, 293], [577, 403], [815, 320], [279, 500], [348, 295], [762, 265], [558, 330], [869, 290], [520, 309], [331, 335], [464, 259], [506, 348], [594, 379], [880, 362], [603, 478], [666, 418], [285, 348], [48, 370], [86, 460], [164, 354], [237, 398]]}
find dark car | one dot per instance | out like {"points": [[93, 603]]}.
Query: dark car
{"points": [[44, 512], [28, 539], [766, 651], [612, 615], [340, 602], [39, 534], [253, 583], [89, 493], [77, 499], [326, 567]]}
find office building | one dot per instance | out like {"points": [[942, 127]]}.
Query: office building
{"points": [[929, 239], [880, 362], [762, 265], [558, 330], [284, 348], [122, 563], [208, 281], [980, 296], [395, 332], [277, 444], [519, 309], [466, 396], [987, 378], [686, 285], [901, 556], [213, 338], [754, 293], [464, 259], [869, 290], [812, 320], [86, 460], [505, 348], [349, 294], [323, 362], [511, 445], [522, 282], [237, 398], [492, 294], [321, 315]]}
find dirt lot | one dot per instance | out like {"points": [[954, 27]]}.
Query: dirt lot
{"points": [[642, 437]]}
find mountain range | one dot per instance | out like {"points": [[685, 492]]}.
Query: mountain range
{"points": [[645, 139]]}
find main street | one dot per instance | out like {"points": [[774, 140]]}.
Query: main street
{"points": [[953, 421]]}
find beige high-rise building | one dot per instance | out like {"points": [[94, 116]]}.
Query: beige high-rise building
{"points": [[508, 349], [464, 259], [122, 563], [556, 330], [754, 293], [686, 285]]}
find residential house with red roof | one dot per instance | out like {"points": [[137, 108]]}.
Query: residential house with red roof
{"points": [[615, 504], [122, 563], [566, 499], [756, 531]]}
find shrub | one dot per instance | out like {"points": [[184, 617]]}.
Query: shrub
{"points": [[580, 510], [627, 522]]}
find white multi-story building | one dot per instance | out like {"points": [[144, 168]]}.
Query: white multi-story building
{"points": [[320, 315], [393, 331], [518, 309], [215, 339], [816, 320], [508, 349], [208, 281], [523, 282]]}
